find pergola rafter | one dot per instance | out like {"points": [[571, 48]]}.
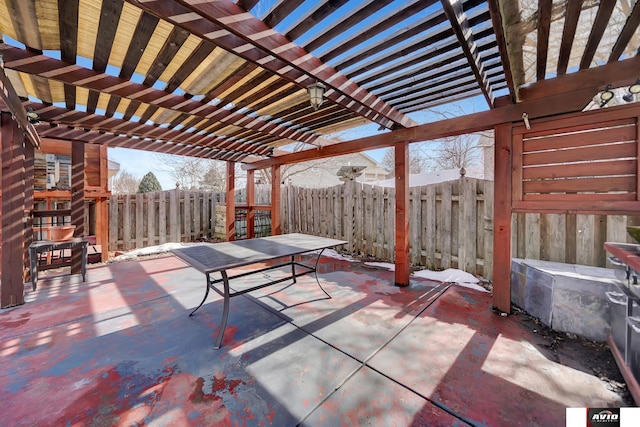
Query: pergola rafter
{"points": [[227, 25], [75, 75]]}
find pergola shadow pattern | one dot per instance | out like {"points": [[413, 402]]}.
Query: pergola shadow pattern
{"points": [[122, 350]]}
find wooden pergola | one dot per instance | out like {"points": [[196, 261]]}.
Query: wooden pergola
{"points": [[228, 80]]}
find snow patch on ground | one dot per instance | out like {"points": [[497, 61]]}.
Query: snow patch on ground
{"points": [[390, 267], [450, 275], [333, 254], [149, 250]]}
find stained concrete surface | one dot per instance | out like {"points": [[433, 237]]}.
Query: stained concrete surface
{"points": [[121, 349]]}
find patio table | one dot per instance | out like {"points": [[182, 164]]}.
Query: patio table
{"points": [[42, 246], [209, 258]]}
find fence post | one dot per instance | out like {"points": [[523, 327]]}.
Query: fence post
{"points": [[113, 222], [162, 217], [174, 214], [348, 175]]}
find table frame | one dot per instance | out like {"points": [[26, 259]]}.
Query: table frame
{"points": [[227, 293], [41, 246]]}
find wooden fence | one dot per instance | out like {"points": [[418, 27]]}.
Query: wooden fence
{"points": [[148, 219], [451, 223], [574, 239]]}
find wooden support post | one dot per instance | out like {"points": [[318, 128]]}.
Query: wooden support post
{"points": [[276, 178], [12, 195], [77, 201], [403, 270], [230, 219], [502, 219], [251, 201], [102, 207], [29, 157], [102, 227]]}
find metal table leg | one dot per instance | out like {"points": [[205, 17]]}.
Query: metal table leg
{"points": [[206, 294], [33, 265], [293, 268], [84, 261], [315, 271], [225, 311]]}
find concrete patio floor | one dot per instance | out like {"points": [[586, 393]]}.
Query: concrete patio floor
{"points": [[121, 349]]}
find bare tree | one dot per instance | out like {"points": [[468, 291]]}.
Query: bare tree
{"points": [[214, 179], [449, 153], [125, 183], [186, 171], [194, 173], [418, 162], [452, 153]]}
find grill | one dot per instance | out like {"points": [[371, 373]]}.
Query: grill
{"points": [[624, 308]]}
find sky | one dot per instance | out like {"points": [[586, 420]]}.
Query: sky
{"points": [[138, 163]]}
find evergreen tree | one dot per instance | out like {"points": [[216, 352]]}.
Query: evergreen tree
{"points": [[149, 184]]}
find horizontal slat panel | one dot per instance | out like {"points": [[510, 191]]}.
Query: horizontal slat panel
{"points": [[584, 184], [577, 207], [616, 167], [613, 151], [579, 121], [602, 136], [580, 197]]}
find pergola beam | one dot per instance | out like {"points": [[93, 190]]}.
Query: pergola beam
{"points": [[460, 25], [496, 19], [552, 105], [616, 74], [122, 141], [544, 25], [568, 34]]}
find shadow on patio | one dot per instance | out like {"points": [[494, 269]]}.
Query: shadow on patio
{"points": [[122, 350]]}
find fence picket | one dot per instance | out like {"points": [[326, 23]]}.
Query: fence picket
{"points": [[415, 206], [150, 207], [487, 226], [429, 224], [126, 226], [162, 217], [445, 229], [174, 215], [139, 221]]}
